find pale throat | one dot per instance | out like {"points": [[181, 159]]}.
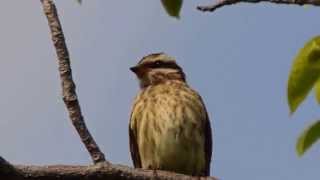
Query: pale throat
{"points": [[160, 77]]}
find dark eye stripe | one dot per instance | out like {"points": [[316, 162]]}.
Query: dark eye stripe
{"points": [[161, 64]]}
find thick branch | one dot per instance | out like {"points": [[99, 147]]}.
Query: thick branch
{"points": [[221, 3], [68, 86], [100, 171]]}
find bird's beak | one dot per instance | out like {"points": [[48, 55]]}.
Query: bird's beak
{"points": [[139, 71], [135, 69]]}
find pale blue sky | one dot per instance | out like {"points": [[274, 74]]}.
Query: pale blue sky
{"points": [[238, 58]]}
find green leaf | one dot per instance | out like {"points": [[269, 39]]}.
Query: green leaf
{"points": [[172, 7], [305, 72], [308, 137], [317, 90]]}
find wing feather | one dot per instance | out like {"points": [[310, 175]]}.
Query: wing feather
{"points": [[208, 146], [134, 150]]}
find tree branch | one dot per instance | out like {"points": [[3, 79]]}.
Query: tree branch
{"points": [[68, 86], [221, 3], [100, 171]]}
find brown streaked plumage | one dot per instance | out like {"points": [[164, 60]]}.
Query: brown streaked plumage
{"points": [[169, 127]]}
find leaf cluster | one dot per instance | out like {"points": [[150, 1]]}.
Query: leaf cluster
{"points": [[303, 78]]}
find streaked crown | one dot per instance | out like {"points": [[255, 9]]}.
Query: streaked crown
{"points": [[157, 68], [156, 57]]}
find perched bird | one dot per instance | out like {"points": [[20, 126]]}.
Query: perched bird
{"points": [[169, 126]]}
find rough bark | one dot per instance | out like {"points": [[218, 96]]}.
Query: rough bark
{"points": [[99, 171], [68, 86], [221, 3]]}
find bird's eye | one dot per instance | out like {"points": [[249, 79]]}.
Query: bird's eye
{"points": [[157, 64]]}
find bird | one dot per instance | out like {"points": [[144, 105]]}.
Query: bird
{"points": [[169, 127]]}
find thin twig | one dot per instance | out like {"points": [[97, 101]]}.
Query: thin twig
{"points": [[221, 3], [68, 86]]}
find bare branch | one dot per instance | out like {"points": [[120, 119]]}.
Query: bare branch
{"points": [[68, 86], [98, 171], [221, 3]]}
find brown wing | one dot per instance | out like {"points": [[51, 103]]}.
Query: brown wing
{"points": [[207, 145], [207, 141], [135, 156]]}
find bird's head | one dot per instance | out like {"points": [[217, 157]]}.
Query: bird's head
{"points": [[157, 68]]}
